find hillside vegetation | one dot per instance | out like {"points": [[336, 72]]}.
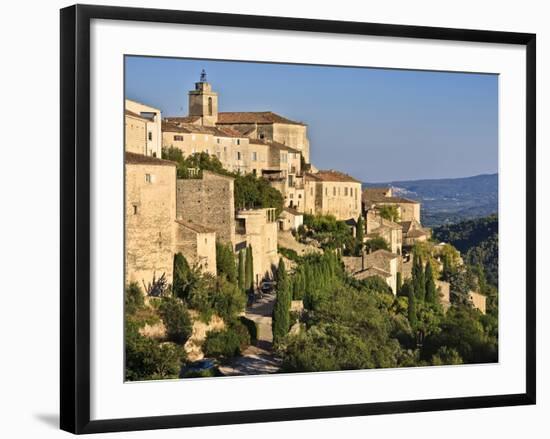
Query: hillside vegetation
{"points": [[477, 240]]}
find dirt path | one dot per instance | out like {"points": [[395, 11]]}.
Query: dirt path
{"points": [[257, 359]]}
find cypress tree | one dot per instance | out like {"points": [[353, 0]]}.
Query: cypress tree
{"points": [[431, 294], [225, 262], [359, 235], [252, 280], [398, 283], [247, 269], [419, 284], [281, 310], [241, 270], [411, 310], [182, 273]]}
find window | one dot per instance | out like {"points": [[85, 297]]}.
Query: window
{"points": [[284, 158], [238, 141], [135, 207], [334, 191], [178, 138], [299, 196], [254, 156], [148, 178], [345, 191], [210, 106], [238, 155], [150, 135], [218, 140], [262, 136], [326, 192]]}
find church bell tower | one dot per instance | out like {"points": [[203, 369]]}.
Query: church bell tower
{"points": [[203, 102]]}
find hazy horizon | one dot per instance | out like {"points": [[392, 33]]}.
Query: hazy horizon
{"points": [[378, 125]]}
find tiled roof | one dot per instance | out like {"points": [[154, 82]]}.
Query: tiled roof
{"points": [[140, 159], [383, 254], [291, 211], [256, 117], [376, 191], [372, 271], [275, 145], [330, 175], [417, 233], [188, 128], [406, 225], [195, 227], [182, 119], [376, 195], [137, 116]]}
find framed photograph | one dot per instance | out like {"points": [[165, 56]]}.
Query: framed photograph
{"points": [[268, 219]]}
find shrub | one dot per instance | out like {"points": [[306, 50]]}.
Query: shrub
{"points": [[148, 360], [133, 298], [251, 328], [177, 320], [225, 344]]}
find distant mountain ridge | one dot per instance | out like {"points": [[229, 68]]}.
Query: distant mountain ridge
{"points": [[450, 200]]}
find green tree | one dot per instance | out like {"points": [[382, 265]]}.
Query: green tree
{"points": [[359, 235], [431, 292], [242, 275], [184, 278], [281, 309], [419, 283], [389, 212], [225, 262], [411, 307], [133, 298], [176, 319], [148, 360], [376, 243], [249, 270], [398, 283]]}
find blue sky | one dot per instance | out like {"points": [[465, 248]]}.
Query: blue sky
{"points": [[375, 124]]}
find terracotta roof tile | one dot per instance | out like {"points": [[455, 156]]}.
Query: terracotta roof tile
{"points": [[256, 117], [330, 175], [140, 159]]}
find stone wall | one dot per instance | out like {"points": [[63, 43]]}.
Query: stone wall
{"points": [[260, 231], [199, 248], [209, 201], [340, 199], [292, 135], [135, 130], [150, 213], [154, 126]]}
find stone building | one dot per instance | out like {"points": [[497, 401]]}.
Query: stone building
{"points": [[378, 263], [391, 232], [270, 127], [198, 244], [290, 219], [332, 193], [258, 228], [209, 201], [413, 232], [229, 146], [143, 129], [408, 210], [150, 211]]}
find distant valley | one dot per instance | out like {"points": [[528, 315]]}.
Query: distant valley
{"points": [[450, 200]]}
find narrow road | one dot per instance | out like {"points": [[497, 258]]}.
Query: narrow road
{"points": [[257, 359]]}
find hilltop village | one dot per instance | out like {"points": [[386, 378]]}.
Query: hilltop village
{"points": [[168, 212]]}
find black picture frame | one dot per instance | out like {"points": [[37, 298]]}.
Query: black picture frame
{"points": [[75, 217]]}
